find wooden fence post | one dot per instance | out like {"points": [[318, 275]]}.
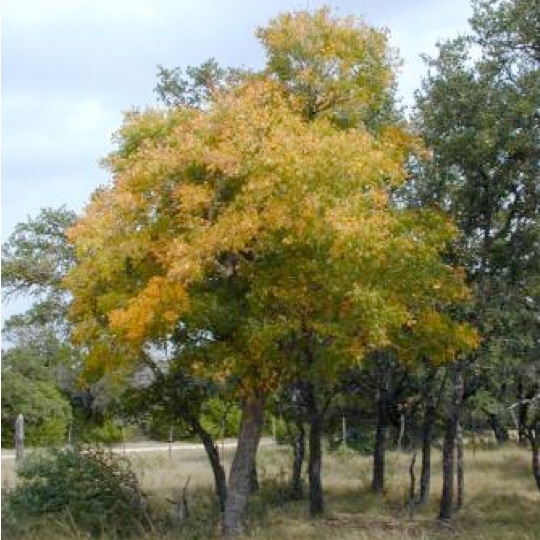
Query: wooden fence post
{"points": [[19, 437]]}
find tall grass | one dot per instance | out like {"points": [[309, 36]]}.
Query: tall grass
{"points": [[501, 499]]}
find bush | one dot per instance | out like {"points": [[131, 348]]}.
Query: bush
{"points": [[107, 433], [46, 411], [96, 488]]}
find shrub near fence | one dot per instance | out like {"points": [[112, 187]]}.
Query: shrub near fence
{"points": [[95, 488]]}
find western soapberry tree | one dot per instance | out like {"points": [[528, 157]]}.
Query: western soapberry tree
{"points": [[264, 218]]}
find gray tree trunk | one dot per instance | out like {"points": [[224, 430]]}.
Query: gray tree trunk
{"points": [[427, 434], [430, 415], [535, 465], [412, 485], [316, 496], [242, 466], [499, 429], [452, 420], [533, 434], [254, 482], [460, 477]]}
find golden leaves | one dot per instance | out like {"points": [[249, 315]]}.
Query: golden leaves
{"points": [[158, 305], [247, 202]]}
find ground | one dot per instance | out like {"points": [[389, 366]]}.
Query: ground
{"points": [[502, 501]]}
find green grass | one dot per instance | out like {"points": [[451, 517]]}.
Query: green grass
{"points": [[501, 499]]}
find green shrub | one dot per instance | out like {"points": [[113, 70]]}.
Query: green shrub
{"points": [[107, 433], [96, 488], [46, 411], [285, 434]]}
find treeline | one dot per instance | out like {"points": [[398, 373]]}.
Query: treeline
{"points": [[285, 242]]}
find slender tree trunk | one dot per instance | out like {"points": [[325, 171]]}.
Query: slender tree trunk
{"points": [[212, 452], [459, 466], [535, 466], [242, 466], [412, 485], [452, 419], [316, 496], [381, 431], [427, 435], [401, 431], [447, 496], [299, 449], [522, 413], [430, 415], [533, 434], [499, 430]]}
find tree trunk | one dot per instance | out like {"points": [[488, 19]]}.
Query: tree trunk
{"points": [[452, 419], [533, 434], [316, 497], [220, 483], [254, 482], [412, 485], [499, 430], [427, 435], [401, 431], [242, 466], [299, 449], [447, 496], [379, 450], [535, 466], [459, 466], [522, 413]]}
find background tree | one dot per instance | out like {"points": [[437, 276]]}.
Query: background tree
{"points": [[479, 115], [35, 259]]}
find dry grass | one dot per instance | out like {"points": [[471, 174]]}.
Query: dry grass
{"points": [[501, 503], [501, 498]]}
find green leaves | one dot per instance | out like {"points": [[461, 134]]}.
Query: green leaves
{"points": [[36, 255], [337, 67]]}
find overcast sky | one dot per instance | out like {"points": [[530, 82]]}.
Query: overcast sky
{"points": [[71, 67]]}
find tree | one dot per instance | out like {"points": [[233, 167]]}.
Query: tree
{"points": [[30, 388], [35, 258], [169, 394], [272, 238], [478, 113]]}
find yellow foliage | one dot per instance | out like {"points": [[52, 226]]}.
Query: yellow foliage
{"points": [[256, 221]]}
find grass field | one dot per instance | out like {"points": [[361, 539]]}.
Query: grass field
{"points": [[502, 501]]}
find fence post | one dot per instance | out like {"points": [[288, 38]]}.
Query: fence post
{"points": [[19, 437]]}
